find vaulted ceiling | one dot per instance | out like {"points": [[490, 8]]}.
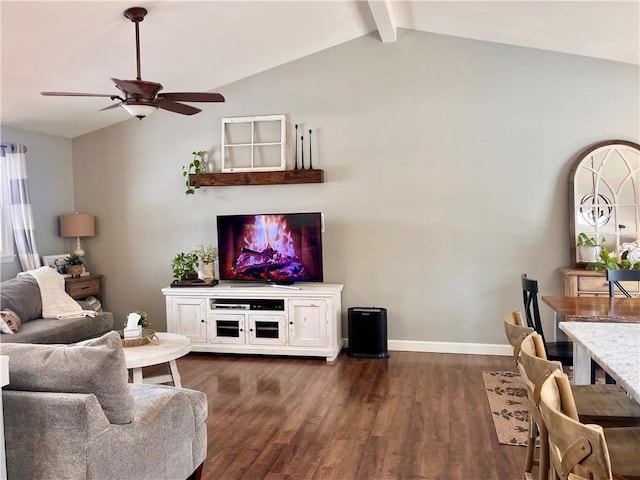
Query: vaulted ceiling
{"points": [[203, 45]]}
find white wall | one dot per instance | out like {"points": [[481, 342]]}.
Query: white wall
{"points": [[49, 169], [446, 164]]}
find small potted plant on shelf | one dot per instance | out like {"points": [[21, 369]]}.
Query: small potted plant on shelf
{"points": [[198, 165], [184, 268], [207, 254], [588, 248], [74, 265]]}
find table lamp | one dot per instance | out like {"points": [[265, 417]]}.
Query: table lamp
{"points": [[77, 225]]}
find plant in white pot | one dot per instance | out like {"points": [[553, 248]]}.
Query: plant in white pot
{"points": [[207, 255], [588, 248]]}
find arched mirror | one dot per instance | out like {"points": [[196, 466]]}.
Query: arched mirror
{"points": [[604, 189]]}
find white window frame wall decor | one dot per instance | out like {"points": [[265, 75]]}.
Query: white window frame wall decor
{"points": [[251, 145]]}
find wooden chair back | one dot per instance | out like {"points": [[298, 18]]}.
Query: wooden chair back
{"points": [[574, 448], [614, 277], [515, 330], [531, 308], [533, 365]]}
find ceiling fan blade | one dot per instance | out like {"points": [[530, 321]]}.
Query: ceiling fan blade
{"points": [[76, 94], [140, 93], [115, 105], [192, 96], [138, 88], [177, 107]]}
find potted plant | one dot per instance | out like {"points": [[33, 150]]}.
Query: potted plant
{"points": [[207, 254], [608, 261], [198, 165], [144, 319], [74, 265], [184, 266], [588, 248]]}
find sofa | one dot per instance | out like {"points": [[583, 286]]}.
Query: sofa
{"points": [[22, 296], [70, 413]]}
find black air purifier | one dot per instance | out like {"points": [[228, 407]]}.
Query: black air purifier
{"points": [[368, 333]]}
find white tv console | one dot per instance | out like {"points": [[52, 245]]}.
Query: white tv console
{"points": [[243, 318]]}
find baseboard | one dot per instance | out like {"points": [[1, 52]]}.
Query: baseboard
{"points": [[447, 347]]}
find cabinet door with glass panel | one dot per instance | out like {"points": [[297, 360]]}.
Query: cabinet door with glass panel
{"points": [[227, 328], [267, 329]]}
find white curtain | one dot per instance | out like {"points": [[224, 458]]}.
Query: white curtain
{"points": [[13, 160]]}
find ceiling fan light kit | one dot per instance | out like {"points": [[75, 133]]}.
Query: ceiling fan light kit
{"points": [[141, 98], [139, 110]]}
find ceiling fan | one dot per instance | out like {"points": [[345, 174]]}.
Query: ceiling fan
{"points": [[141, 98]]}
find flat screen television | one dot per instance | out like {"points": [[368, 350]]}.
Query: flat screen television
{"points": [[274, 248]]}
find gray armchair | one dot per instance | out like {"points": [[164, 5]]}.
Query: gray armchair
{"points": [[69, 413]]}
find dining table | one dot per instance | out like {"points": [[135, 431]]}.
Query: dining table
{"points": [[613, 346], [595, 309], [604, 329]]}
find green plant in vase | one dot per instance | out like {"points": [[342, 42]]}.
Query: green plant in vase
{"points": [[74, 264], [207, 254], [197, 167], [588, 248], [184, 266], [607, 261], [586, 241], [144, 319]]}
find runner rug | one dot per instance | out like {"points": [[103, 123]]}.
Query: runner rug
{"points": [[508, 403]]}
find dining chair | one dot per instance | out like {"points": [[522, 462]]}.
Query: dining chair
{"points": [[584, 451], [607, 405], [614, 277], [537, 428], [560, 351], [515, 330]]}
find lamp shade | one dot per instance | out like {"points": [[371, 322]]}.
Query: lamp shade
{"points": [[77, 225], [139, 110]]}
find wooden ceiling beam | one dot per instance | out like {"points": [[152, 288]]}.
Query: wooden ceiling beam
{"points": [[382, 12]]}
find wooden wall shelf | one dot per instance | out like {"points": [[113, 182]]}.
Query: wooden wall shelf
{"points": [[257, 178]]}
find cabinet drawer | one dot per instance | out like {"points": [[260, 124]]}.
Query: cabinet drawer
{"points": [[600, 284], [84, 288]]}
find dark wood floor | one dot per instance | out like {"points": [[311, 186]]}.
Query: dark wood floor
{"points": [[412, 416]]}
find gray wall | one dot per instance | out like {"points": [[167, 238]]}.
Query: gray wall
{"points": [[49, 168], [446, 164]]}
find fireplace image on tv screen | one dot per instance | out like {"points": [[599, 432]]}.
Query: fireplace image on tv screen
{"points": [[278, 248]]}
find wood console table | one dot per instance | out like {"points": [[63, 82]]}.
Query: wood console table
{"points": [[578, 282]]}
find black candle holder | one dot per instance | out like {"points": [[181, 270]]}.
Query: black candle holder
{"points": [[310, 154], [296, 155]]}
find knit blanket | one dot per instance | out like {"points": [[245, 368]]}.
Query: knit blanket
{"points": [[56, 303]]}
